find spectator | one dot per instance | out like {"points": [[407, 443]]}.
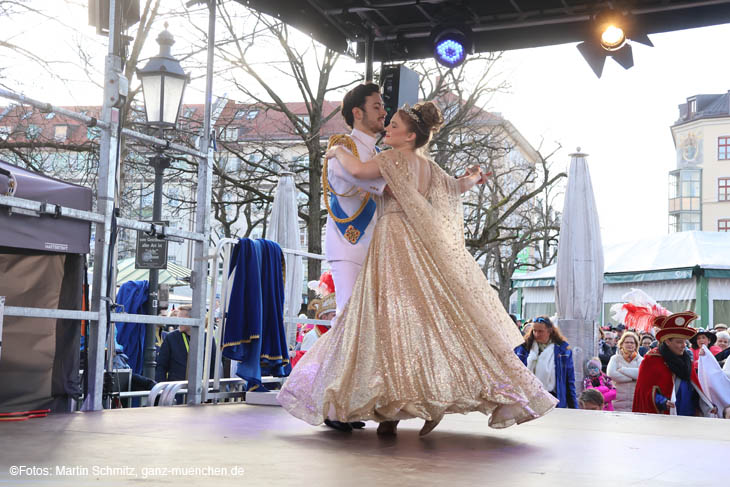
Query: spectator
{"points": [[172, 361], [623, 369], [619, 330], [646, 341], [607, 349], [591, 400], [703, 337], [595, 379], [719, 327], [723, 340], [547, 354], [723, 343]]}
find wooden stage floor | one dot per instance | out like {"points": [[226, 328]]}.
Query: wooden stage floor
{"points": [[245, 445]]}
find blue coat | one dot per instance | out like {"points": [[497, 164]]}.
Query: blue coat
{"points": [[564, 374]]}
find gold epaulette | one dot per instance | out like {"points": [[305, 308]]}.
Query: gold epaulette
{"points": [[347, 142]]}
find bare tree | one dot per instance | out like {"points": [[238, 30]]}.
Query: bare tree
{"points": [[501, 221]]}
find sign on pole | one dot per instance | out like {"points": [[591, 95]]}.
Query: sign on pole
{"points": [[151, 251]]}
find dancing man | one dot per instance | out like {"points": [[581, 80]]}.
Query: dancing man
{"points": [[351, 208]]}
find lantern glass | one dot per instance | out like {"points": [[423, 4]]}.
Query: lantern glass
{"points": [[173, 95], [152, 89]]}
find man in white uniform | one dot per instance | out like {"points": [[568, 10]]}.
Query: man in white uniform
{"points": [[348, 235], [350, 207]]}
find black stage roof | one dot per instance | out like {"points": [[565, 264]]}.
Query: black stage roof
{"points": [[401, 28]]}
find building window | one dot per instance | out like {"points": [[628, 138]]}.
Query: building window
{"points": [[239, 114], [5, 132], [230, 133], [60, 132], [723, 189], [304, 119], [691, 107], [251, 114], [723, 225], [723, 148], [685, 190]]}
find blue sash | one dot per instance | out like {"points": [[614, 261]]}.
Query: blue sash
{"points": [[354, 230]]}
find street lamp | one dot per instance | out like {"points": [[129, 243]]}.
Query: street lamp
{"points": [[163, 86]]}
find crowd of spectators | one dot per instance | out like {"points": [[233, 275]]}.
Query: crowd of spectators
{"points": [[611, 378]]}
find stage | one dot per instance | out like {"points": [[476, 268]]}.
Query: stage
{"points": [[239, 444]]}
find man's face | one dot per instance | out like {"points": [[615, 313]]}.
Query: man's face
{"points": [[371, 117], [610, 339], [676, 345]]}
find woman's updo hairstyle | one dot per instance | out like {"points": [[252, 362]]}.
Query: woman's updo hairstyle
{"points": [[423, 119]]}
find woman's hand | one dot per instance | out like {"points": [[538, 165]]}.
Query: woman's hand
{"points": [[478, 174], [331, 152]]}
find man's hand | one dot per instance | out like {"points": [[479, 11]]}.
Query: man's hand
{"points": [[670, 404]]}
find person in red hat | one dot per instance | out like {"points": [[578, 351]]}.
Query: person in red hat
{"points": [[667, 382]]}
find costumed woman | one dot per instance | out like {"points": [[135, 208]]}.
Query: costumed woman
{"points": [[423, 334]]}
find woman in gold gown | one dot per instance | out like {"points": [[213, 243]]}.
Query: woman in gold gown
{"points": [[423, 334]]}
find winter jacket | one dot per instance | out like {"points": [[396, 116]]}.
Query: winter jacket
{"points": [[624, 380], [564, 374]]}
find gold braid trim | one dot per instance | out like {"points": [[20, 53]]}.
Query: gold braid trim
{"points": [[348, 143]]}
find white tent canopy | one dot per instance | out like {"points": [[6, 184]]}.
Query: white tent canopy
{"points": [[681, 270], [673, 252]]}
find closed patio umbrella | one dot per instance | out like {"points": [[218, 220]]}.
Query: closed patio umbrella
{"points": [[579, 270], [284, 230]]}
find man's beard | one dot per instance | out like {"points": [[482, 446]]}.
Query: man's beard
{"points": [[373, 125]]}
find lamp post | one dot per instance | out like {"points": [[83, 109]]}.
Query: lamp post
{"points": [[163, 86]]}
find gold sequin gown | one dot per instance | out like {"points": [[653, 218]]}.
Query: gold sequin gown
{"points": [[423, 334]]}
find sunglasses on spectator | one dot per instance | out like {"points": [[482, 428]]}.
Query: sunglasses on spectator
{"points": [[542, 320]]}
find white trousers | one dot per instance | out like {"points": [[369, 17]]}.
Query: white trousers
{"points": [[344, 273]]}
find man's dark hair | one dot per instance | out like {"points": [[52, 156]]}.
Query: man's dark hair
{"points": [[355, 98]]}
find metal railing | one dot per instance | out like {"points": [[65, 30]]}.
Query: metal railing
{"points": [[109, 122]]}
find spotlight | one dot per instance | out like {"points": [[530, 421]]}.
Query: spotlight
{"points": [[451, 44], [610, 31], [613, 38]]}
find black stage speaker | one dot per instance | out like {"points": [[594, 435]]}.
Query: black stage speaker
{"points": [[399, 85]]}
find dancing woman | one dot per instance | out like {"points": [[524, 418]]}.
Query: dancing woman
{"points": [[423, 334]]}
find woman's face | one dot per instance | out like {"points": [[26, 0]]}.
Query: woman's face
{"points": [[397, 133], [723, 343], [646, 342], [628, 345], [702, 340], [540, 332]]}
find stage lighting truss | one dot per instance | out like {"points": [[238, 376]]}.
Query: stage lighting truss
{"points": [[609, 36], [451, 44]]}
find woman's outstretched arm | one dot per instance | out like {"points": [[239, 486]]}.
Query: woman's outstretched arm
{"points": [[362, 170]]}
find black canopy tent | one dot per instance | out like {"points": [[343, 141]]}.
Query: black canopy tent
{"points": [[41, 266], [400, 29]]}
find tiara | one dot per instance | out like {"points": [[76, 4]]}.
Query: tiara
{"points": [[415, 116]]}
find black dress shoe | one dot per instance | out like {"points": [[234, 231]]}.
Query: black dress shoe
{"points": [[358, 425], [338, 425]]}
